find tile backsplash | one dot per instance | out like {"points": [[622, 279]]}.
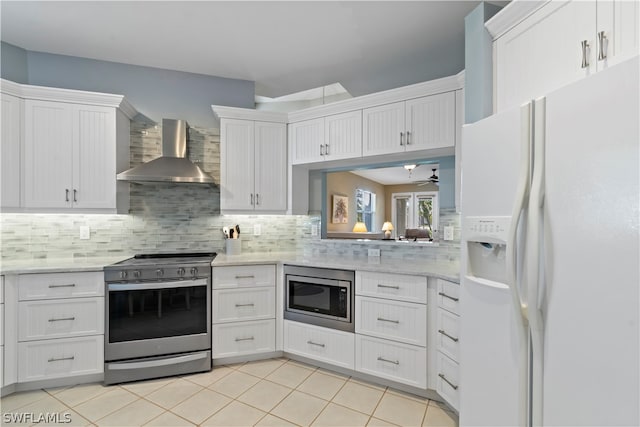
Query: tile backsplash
{"points": [[182, 217]]}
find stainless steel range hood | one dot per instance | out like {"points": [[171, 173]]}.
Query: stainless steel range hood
{"points": [[173, 165]]}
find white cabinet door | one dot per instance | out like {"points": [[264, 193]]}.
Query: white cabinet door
{"points": [[243, 276], [323, 344], [619, 20], [383, 129], [430, 122], [10, 151], [48, 160], [270, 166], [94, 157], [543, 52], [236, 339], [448, 379], [343, 136], [239, 304], [307, 141], [237, 169], [392, 320]]}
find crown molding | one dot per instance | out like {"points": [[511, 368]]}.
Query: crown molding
{"points": [[223, 112], [512, 14], [73, 96], [432, 87]]}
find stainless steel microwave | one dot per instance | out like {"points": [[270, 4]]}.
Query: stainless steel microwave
{"points": [[320, 296]]}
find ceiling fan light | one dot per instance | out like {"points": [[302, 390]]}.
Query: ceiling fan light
{"points": [[410, 167]]}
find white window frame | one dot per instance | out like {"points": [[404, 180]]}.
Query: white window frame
{"points": [[412, 219]]}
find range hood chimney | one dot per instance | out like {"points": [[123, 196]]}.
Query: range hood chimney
{"points": [[173, 165]]}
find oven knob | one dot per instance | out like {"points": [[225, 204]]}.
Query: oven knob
{"points": [[181, 271], [136, 274], [123, 274], [194, 271], [159, 272]]}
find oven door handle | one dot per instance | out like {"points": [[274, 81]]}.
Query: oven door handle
{"points": [[157, 362], [155, 285]]}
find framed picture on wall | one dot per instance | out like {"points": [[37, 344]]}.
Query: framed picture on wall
{"points": [[340, 214]]}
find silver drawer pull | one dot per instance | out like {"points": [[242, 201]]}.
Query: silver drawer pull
{"points": [[602, 40], [455, 387], [442, 294], [382, 319], [382, 359], [315, 343], [53, 359], [245, 305], [245, 339], [388, 286], [62, 319], [246, 277], [447, 335], [584, 44], [70, 285]]}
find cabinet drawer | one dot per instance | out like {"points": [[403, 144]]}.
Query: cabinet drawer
{"points": [[243, 276], [230, 305], [449, 296], [323, 344], [60, 318], [394, 320], [235, 339], [46, 359], [403, 363], [448, 334], [447, 381], [60, 285], [393, 286]]}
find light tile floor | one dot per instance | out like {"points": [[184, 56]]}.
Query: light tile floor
{"points": [[274, 392]]}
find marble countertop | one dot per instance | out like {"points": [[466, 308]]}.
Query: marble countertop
{"points": [[443, 270], [58, 265]]}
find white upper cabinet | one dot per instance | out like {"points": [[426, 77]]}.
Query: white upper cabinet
{"points": [[559, 43], [417, 124], [343, 136], [307, 141], [10, 169], [253, 166]]}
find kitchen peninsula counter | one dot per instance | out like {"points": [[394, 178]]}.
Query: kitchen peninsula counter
{"points": [[440, 269]]}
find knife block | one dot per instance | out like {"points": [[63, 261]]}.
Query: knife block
{"points": [[233, 246]]}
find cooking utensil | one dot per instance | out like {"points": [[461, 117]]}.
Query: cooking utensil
{"points": [[225, 230], [237, 231], [231, 231]]}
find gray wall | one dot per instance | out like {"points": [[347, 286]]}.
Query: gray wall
{"points": [[156, 93], [478, 58], [13, 63]]}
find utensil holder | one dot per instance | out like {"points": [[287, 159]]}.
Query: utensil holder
{"points": [[233, 247]]}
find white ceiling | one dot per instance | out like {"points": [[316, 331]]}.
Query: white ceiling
{"points": [[285, 47], [398, 174]]}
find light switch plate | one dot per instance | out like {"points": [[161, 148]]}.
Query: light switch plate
{"points": [[257, 229], [374, 252], [448, 233], [85, 232]]}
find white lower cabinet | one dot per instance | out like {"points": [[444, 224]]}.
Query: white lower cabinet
{"points": [[448, 382], [448, 342], [241, 338], [394, 361], [47, 359], [393, 320], [322, 344], [232, 305]]}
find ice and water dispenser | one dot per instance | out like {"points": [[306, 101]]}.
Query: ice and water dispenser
{"points": [[486, 244]]}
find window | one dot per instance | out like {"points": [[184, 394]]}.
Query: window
{"points": [[365, 207], [415, 211]]}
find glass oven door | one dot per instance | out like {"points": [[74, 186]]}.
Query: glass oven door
{"points": [[145, 319]]}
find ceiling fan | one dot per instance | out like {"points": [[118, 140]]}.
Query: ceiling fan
{"points": [[433, 179]]}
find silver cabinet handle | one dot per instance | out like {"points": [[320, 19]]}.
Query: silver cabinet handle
{"points": [[401, 136], [326, 149], [246, 277], [388, 286], [442, 294], [382, 359], [257, 199], [602, 39], [62, 319], [69, 285], [75, 195], [251, 199], [245, 339], [53, 359], [408, 135], [315, 343], [585, 52], [382, 319], [455, 387], [66, 194], [440, 331], [246, 305], [321, 149]]}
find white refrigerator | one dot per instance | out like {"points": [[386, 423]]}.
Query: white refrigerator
{"points": [[550, 300]]}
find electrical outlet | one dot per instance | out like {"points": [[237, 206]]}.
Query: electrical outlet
{"points": [[85, 232], [374, 252], [448, 233], [314, 230], [257, 229]]}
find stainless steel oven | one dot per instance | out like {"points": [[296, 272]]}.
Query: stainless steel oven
{"points": [[320, 296], [157, 316]]}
